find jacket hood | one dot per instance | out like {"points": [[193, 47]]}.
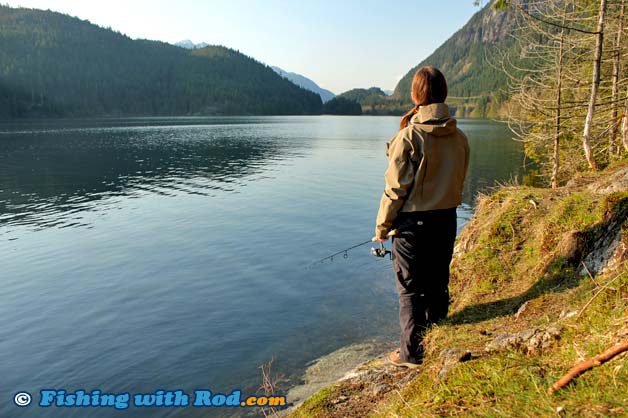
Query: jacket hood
{"points": [[435, 119]]}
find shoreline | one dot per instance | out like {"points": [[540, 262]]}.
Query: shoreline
{"points": [[524, 311], [334, 367]]}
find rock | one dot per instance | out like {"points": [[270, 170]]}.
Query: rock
{"points": [[616, 182], [455, 355], [521, 309], [451, 357], [340, 399], [374, 376], [608, 252], [564, 314], [343, 364], [530, 341], [609, 246], [381, 389], [407, 378]]}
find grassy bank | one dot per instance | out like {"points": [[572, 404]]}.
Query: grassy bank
{"points": [[539, 282]]}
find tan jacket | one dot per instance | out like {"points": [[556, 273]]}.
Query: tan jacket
{"points": [[427, 164]]}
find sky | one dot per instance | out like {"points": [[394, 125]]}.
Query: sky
{"points": [[339, 44]]}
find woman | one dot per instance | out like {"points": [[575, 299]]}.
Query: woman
{"points": [[428, 160]]}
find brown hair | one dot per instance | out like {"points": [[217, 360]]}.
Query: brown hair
{"points": [[428, 86]]}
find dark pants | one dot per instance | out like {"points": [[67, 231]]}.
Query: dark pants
{"points": [[421, 254]]}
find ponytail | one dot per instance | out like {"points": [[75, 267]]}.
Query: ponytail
{"points": [[406, 118]]}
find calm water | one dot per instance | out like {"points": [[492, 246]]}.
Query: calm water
{"points": [[141, 254]]}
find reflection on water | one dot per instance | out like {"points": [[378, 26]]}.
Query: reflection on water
{"points": [[495, 158], [49, 175], [141, 254], [52, 170]]}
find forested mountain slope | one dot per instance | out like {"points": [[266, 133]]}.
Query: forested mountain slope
{"points": [[374, 101], [56, 65], [476, 87]]}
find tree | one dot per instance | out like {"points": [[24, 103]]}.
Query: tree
{"points": [[55, 65], [624, 124], [537, 82], [551, 99], [595, 84], [613, 147], [342, 106]]}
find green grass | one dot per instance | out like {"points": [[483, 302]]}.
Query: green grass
{"points": [[316, 405], [515, 384], [525, 245]]}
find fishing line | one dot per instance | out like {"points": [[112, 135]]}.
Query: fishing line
{"points": [[380, 252], [345, 253]]}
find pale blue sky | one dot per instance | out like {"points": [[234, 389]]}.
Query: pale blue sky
{"points": [[340, 44]]}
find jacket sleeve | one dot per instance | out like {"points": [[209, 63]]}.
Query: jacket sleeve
{"points": [[399, 179]]}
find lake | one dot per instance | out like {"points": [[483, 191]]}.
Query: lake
{"points": [[176, 253]]}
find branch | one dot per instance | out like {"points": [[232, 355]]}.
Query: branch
{"points": [[555, 24], [585, 365], [606, 286]]}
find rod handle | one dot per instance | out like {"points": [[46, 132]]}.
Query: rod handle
{"points": [[391, 233]]}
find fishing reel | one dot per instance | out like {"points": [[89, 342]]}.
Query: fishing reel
{"points": [[380, 252]]}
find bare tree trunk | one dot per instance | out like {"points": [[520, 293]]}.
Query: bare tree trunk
{"points": [[559, 85], [586, 141], [624, 129], [613, 147]]}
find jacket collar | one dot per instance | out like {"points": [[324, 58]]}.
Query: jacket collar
{"points": [[434, 119], [435, 112]]}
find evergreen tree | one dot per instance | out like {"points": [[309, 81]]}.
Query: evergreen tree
{"points": [[55, 65]]}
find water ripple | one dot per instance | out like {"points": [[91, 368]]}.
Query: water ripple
{"points": [[47, 175]]}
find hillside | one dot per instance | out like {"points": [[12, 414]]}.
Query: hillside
{"points": [[476, 89], [56, 65], [539, 283], [342, 106], [306, 83], [462, 58], [374, 101]]}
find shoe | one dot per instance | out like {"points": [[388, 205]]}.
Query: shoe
{"points": [[394, 358]]}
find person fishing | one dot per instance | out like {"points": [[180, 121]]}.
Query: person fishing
{"points": [[427, 164]]}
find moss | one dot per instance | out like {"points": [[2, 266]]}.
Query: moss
{"points": [[317, 405], [616, 202]]}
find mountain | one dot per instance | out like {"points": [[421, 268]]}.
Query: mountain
{"points": [[462, 58], [342, 106], [306, 83], [374, 101], [187, 44], [365, 96], [54, 65], [476, 89]]}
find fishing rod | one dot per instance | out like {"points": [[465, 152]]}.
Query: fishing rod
{"points": [[377, 252]]}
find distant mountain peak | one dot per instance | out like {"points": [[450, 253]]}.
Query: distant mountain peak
{"points": [[306, 83], [188, 44]]}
